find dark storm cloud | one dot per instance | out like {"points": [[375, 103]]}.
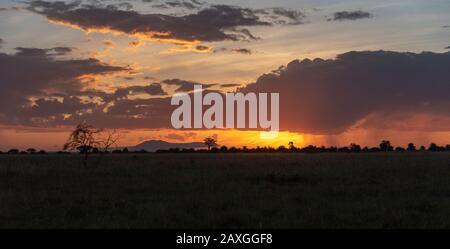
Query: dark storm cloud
{"points": [[33, 72], [132, 113], [48, 108], [122, 108], [124, 113], [378, 89], [213, 23], [329, 96], [350, 15]]}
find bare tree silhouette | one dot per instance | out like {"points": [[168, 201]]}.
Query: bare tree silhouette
{"points": [[108, 139], [86, 138]]}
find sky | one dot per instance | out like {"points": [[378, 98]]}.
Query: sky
{"points": [[346, 71]]}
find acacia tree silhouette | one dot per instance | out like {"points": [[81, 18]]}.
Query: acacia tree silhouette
{"points": [[210, 142], [86, 138]]}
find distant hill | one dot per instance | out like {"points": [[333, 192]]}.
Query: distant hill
{"points": [[154, 145]]}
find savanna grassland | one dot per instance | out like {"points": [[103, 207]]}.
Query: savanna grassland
{"points": [[378, 190]]}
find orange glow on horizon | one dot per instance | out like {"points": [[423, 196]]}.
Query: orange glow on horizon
{"points": [[26, 137]]}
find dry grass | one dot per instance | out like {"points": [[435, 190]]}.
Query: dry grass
{"points": [[395, 190]]}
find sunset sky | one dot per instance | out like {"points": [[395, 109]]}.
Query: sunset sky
{"points": [[347, 71]]}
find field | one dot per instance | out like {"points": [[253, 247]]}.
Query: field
{"points": [[392, 190]]}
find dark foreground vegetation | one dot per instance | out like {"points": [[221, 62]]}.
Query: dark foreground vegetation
{"points": [[284, 190]]}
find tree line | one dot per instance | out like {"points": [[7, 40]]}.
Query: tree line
{"points": [[87, 140], [385, 146], [353, 148]]}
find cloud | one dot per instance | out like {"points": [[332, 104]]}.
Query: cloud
{"points": [[174, 136], [34, 73], [293, 16], [126, 6], [185, 85], [367, 89], [202, 48], [446, 26], [330, 96], [350, 15], [43, 108], [135, 44], [152, 89], [211, 24], [234, 50], [127, 78], [447, 47], [182, 4], [108, 43], [43, 52], [229, 85], [61, 50], [242, 51], [1, 42]]}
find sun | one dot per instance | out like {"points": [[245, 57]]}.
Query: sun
{"points": [[275, 138], [269, 135]]}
